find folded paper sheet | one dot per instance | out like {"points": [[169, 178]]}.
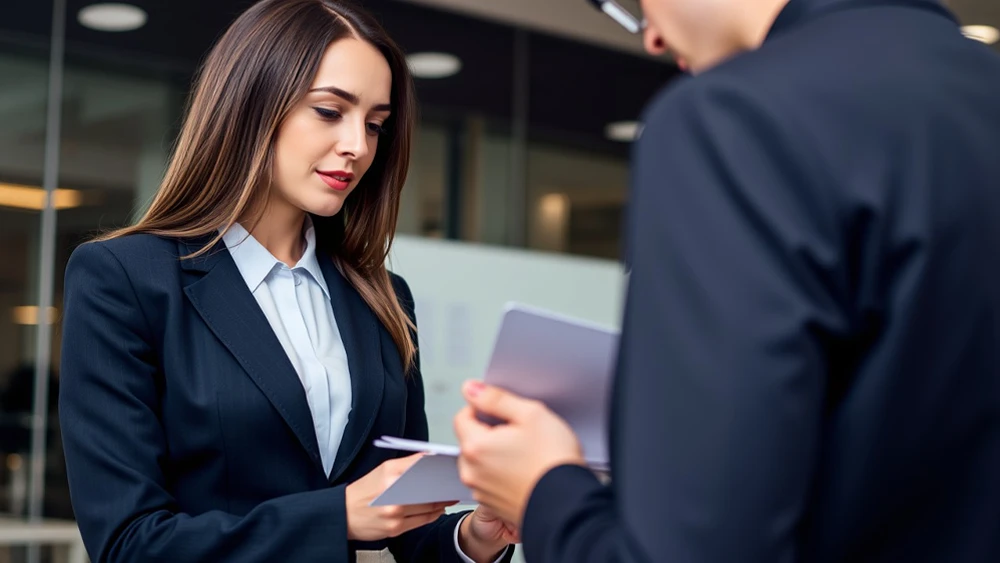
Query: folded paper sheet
{"points": [[566, 363]]}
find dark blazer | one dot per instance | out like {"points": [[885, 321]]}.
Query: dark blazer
{"points": [[810, 361], [186, 429]]}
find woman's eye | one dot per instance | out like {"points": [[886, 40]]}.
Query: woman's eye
{"points": [[375, 129], [327, 113]]}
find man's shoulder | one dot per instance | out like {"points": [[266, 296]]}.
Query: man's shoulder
{"points": [[777, 81], [688, 105], [853, 62], [818, 78]]}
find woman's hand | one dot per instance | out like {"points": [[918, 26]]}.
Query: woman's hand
{"points": [[373, 523], [483, 535]]}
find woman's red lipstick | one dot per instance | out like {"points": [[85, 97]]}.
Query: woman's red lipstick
{"points": [[338, 179]]}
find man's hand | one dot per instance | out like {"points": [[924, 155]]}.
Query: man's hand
{"points": [[502, 464]]}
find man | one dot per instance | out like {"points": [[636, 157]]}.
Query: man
{"points": [[810, 357]]}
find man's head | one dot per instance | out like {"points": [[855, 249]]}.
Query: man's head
{"points": [[701, 33]]}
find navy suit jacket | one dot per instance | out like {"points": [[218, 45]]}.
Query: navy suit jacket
{"points": [[810, 361], [186, 430]]}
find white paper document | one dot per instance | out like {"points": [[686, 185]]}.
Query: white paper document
{"points": [[566, 363], [433, 478], [416, 446]]}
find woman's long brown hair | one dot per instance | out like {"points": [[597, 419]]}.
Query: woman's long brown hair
{"points": [[220, 172]]}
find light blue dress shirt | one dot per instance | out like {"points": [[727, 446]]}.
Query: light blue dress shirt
{"points": [[296, 302]]}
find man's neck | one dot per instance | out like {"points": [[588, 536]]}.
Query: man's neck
{"points": [[759, 18], [748, 27]]}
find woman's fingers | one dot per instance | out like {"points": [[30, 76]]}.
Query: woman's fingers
{"points": [[408, 523]]}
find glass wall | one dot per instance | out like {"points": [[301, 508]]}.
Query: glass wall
{"points": [[22, 153], [24, 76]]}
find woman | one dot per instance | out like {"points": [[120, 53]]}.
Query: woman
{"points": [[229, 359]]}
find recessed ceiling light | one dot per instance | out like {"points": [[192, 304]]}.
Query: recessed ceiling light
{"points": [[433, 65], [623, 131], [982, 33], [112, 16]]}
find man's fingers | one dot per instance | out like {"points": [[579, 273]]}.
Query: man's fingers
{"points": [[465, 473], [467, 426], [496, 402]]}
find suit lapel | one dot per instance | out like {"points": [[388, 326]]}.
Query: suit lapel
{"points": [[359, 329], [221, 297]]}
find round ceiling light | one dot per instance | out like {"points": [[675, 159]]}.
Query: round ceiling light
{"points": [[433, 65], [623, 131], [112, 16], [982, 33]]}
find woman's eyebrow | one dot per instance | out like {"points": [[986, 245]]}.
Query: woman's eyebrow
{"points": [[352, 98]]}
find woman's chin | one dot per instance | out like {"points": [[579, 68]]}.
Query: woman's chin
{"points": [[325, 212], [329, 207]]}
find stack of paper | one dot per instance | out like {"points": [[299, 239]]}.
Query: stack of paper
{"points": [[566, 363]]}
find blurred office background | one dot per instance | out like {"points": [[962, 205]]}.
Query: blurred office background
{"points": [[516, 191]]}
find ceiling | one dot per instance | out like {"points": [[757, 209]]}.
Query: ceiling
{"points": [[575, 19], [577, 59], [566, 105], [976, 12], [572, 19]]}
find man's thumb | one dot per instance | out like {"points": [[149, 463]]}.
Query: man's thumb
{"points": [[491, 401]]}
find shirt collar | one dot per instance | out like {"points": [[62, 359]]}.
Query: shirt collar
{"points": [[309, 261], [255, 262]]}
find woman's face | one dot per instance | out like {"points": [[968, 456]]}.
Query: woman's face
{"points": [[328, 141]]}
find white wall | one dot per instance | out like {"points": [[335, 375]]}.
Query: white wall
{"points": [[460, 289]]}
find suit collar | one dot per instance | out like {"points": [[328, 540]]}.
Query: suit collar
{"points": [[362, 340], [797, 12], [219, 293], [205, 262]]}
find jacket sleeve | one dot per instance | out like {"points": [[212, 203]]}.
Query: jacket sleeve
{"points": [[115, 445], [722, 367], [436, 541]]}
